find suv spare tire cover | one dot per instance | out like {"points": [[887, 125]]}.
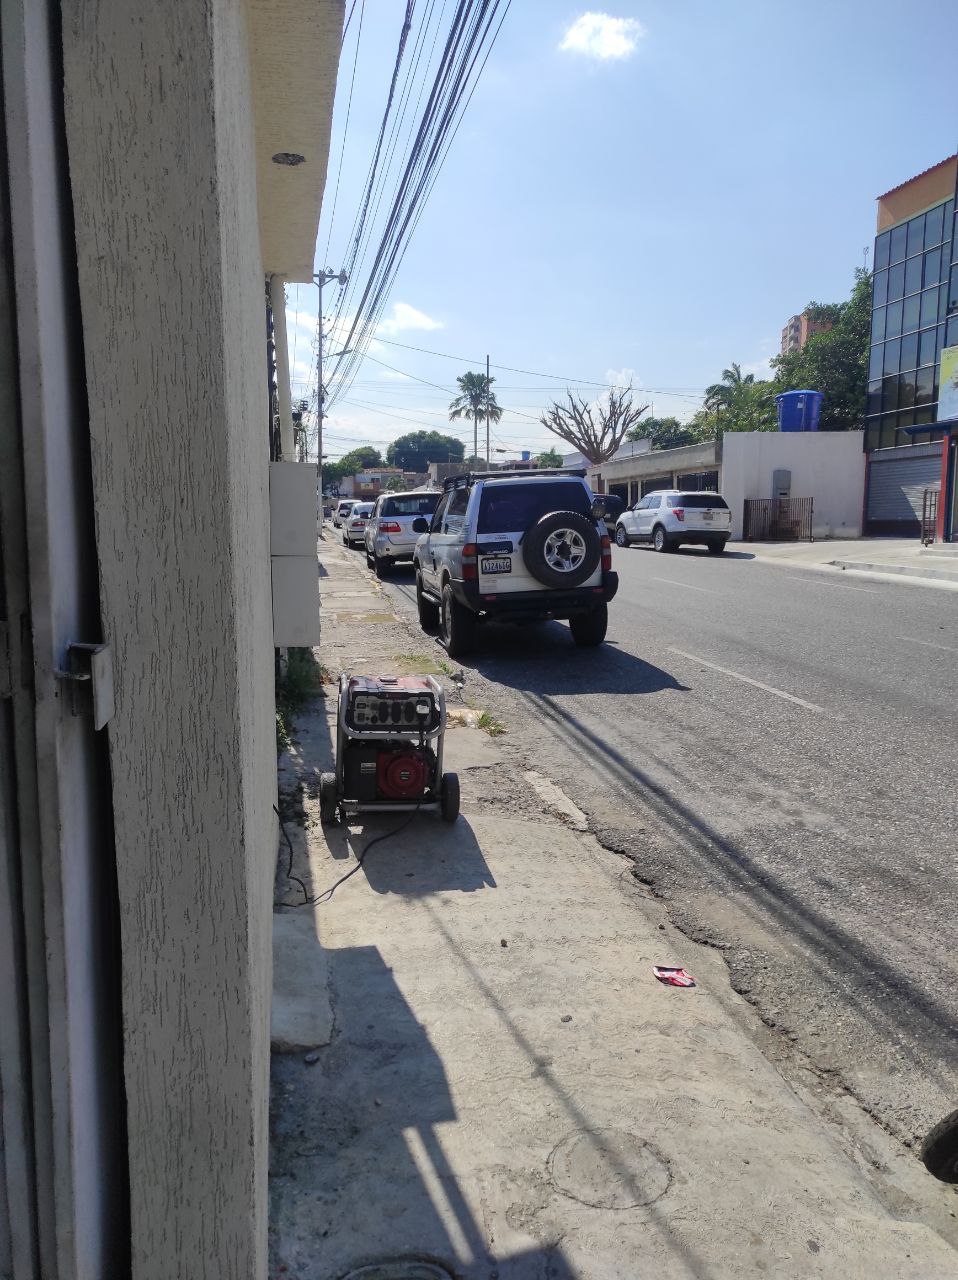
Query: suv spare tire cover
{"points": [[534, 549]]}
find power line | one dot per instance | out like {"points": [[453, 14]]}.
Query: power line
{"points": [[452, 89], [349, 107]]}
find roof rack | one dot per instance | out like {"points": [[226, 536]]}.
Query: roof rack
{"points": [[467, 477]]}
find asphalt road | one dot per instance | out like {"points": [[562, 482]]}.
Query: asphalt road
{"points": [[776, 751]]}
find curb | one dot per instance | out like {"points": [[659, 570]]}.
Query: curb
{"points": [[901, 570]]}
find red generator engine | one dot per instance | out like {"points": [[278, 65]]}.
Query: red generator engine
{"points": [[389, 736]]}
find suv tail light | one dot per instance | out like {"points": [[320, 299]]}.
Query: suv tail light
{"points": [[470, 567], [679, 513], [606, 553], [389, 526]]}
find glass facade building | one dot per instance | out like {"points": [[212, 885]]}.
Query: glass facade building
{"points": [[914, 315]]}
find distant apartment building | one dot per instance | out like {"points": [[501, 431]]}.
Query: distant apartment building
{"points": [[799, 329]]}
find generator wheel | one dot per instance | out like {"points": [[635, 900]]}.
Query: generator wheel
{"points": [[328, 798], [449, 797]]}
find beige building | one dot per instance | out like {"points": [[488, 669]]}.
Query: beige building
{"points": [[162, 164], [798, 331]]}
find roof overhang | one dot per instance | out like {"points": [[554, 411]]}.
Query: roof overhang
{"points": [[294, 58]]}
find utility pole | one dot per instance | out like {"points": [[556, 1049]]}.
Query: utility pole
{"points": [[322, 278], [487, 413]]}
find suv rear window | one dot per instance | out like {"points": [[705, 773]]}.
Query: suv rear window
{"points": [[419, 504], [696, 501], [509, 508]]}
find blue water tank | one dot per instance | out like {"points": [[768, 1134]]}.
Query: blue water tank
{"points": [[526, 454], [799, 410]]}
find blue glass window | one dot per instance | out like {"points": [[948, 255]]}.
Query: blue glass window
{"points": [[874, 397], [916, 235], [876, 358], [893, 320], [880, 288], [878, 324], [906, 390], [924, 386], [934, 226], [889, 394], [892, 356], [926, 347], [910, 312], [881, 251], [913, 275], [932, 272], [896, 281], [929, 307], [899, 238], [909, 352]]}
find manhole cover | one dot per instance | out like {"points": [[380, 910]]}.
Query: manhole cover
{"points": [[609, 1169], [400, 1269]]}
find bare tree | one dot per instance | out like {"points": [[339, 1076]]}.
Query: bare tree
{"points": [[597, 429]]}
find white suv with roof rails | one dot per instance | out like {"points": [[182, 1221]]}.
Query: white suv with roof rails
{"points": [[670, 517], [515, 547], [390, 536]]}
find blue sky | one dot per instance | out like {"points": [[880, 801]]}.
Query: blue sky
{"points": [[642, 192]]}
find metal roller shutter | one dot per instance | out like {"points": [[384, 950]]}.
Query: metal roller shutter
{"points": [[896, 485]]}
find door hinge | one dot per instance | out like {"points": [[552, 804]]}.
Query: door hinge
{"points": [[90, 666], [6, 671]]}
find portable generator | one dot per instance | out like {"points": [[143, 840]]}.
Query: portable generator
{"points": [[389, 735]]}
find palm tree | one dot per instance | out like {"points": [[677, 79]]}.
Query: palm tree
{"points": [[724, 394], [475, 400]]}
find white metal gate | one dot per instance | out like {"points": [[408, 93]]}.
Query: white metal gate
{"points": [[62, 1157], [897, 480]]}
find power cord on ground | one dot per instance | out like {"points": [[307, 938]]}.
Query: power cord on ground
{"points": [[327, 894]]}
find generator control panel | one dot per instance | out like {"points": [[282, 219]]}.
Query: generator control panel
{"points": [[406, 705]]}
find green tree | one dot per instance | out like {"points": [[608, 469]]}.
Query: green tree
{"points": [[550, 458], [395, 484], [414, 452], [475, 400], [665, 433], [365, 458], [834, 362]]}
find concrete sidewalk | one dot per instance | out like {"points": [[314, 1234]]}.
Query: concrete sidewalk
{"points": [[884, 558], [505, 1091]]}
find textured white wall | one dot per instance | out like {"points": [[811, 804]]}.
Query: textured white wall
{"points": [[161, 158], [828, 466]]}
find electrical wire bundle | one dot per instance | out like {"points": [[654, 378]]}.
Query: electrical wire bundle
{"points": [[470, 38]]}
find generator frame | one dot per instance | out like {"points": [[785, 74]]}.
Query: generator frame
{"points": [[392, 733]]}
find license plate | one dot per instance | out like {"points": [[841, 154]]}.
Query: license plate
{"points": [[501, 564], [708, 515]]}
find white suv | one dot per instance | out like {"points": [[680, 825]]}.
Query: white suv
{"points": [[670, 517], [515, 547]]}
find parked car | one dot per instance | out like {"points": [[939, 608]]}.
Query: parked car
{"points": [[342, 510], [389, 530], [354, 525], [514, 547], [671, 518]]}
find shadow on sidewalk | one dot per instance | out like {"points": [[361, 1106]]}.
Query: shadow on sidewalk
{"points": [[426, 856], [358, 1174]]}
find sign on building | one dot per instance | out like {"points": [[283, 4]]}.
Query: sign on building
{"points": [[948, 385]]}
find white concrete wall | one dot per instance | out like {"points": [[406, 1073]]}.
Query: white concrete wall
{"points": [[827, 466], [160, 145]]}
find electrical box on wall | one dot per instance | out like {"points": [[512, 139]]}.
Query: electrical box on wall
{"points": [[295, 566], [781, 483]]}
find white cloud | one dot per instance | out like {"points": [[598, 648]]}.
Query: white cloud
{"points": [[403, 318], [598, 35], [622, 378]]}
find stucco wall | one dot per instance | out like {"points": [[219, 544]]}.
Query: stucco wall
{"points": [[919, 193], [161, 159], [828, 466]]}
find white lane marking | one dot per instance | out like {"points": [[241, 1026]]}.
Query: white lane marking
{"points": [[672, 582], [929, 644], [842, 586], [757, 684]]}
